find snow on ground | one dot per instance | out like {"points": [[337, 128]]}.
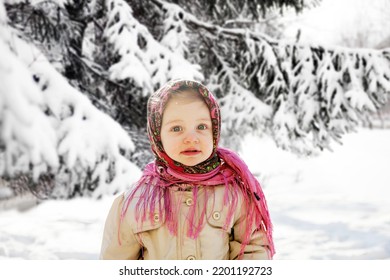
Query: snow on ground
{"points": [[334, 206]]}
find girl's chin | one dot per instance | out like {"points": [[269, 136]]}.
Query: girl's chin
{"points": [[190, 161]]}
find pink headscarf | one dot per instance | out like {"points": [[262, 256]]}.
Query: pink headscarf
{"points": [[223, 167]]}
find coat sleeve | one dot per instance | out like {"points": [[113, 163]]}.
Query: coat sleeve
{"points": [[130, 248], [257, 248]]}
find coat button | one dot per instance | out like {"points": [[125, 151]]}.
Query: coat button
{"points": [[156, 218], [216, 215], [189, 201], [191, 258]]}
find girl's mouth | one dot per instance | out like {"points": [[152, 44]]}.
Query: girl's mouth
{"points": [[190, 152]]}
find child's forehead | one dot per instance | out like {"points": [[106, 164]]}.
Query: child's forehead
{"points": [[187, 94], [175, 99], [186, 109], [194, 112], [180, 100]]}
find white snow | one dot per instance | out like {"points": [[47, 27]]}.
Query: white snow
{"points": [[333, 206]]}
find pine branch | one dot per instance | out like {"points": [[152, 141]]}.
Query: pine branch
{"points": [[241, 110], [139, 56]]}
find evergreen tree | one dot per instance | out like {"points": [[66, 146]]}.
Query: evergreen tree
{"points": [[113, 53], [54, 141]]}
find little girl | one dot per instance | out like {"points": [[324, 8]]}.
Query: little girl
{"points": [[196, 200]]}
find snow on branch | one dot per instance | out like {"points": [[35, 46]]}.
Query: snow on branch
{"points": [[320, 94], [26, 135], [142, 59], [27, 139], [50, 124], [175, 30], [240, 108]]}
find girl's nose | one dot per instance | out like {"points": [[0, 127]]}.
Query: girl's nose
{"points": [[191, 137]]}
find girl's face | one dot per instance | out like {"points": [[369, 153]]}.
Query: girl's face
{"points": [[186, 131]]}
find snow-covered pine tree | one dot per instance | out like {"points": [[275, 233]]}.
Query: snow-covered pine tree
{"points": [[48, 127]]}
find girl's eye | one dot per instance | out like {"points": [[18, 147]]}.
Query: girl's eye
{"points": [[202, 126], [176, 129]]}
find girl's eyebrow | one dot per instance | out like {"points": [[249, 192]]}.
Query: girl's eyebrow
{"points": [[204, 119], [173, 121], [201, 119]]}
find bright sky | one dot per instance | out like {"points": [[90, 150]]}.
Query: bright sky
{"points": [[343, 22]]}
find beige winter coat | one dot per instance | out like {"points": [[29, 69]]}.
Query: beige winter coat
{"points": [[156, 242]]}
